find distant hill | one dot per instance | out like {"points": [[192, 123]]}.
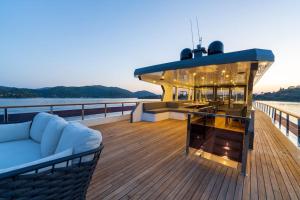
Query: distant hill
{"points": [[290, 94], [95, 91], [146, 95]]}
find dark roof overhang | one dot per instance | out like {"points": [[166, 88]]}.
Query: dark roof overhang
{"points": [[250, 55]]}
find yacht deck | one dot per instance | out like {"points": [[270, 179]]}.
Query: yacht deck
{"points": [[146, 160]]}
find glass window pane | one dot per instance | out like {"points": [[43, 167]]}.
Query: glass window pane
{"points": [[205, 94], [223, 95], [238, 95]]}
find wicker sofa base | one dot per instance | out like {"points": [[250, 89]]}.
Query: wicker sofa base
{"points": [[69, 182]]}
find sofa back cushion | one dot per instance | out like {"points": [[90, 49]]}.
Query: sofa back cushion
{"points": [[12, 132], [51, 136], [154, 105], [174, 104], [79, 138], [38, 126]]}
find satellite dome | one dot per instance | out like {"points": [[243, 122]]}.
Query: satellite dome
{"points": [[186, 54], [215, 47]]}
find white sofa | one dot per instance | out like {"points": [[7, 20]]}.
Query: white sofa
{"points": [[47, 137]]}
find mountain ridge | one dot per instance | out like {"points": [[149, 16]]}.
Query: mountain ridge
{"points": [[91, 91], [291, 94]]}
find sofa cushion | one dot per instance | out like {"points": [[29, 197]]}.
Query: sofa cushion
{"points": [[38, 126], [12, 132], [18, 152], [158, 110], [174, 104], [154, 105], [62, 154], [78, 137], [52, 135]]}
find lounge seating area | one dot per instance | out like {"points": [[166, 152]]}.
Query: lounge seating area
{"points": [[48, 156], [157, 111]]}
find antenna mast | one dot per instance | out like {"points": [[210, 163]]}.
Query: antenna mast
{"points": [[192, 33], [200, 38]]}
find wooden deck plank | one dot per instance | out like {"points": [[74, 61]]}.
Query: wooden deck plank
{"points": [[270, 169], [146, 161]]}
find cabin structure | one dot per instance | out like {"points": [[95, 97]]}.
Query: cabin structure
{"points": [[225, 77], [213, 93]]}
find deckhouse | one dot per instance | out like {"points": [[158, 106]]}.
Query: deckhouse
{"points": [[218, 76]]}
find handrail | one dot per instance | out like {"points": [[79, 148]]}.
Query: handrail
{"points": [[290, 127], [65, 104], [83, 108], [280, 109]]}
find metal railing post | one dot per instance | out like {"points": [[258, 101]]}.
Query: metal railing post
{"points": [[245, 149], [287, 124], [122, 108], [5, 116], [187, 147], [260, 105], [280, 115], [298, 132], [82, 112], [274, 119], [51, 109], [105, 109], [251, 130], [266, 107]]}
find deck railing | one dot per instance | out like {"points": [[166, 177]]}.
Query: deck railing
{"points": [[9, 115], [286, 122]]}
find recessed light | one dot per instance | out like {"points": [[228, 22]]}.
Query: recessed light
{"points": [[202, 78], [194, 74], [227, 76], [223, 71]]}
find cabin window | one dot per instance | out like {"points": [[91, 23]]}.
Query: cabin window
{"points": [[183, 94], [238, 95], [205, 94], [223, 95]]}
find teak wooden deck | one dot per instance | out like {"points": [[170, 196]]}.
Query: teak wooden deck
{"points": [[146, 161]]}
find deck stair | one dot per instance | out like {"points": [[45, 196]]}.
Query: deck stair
{"points": [[222, 144]]}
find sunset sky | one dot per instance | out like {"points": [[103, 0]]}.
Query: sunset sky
{"points": [[74, 43]]}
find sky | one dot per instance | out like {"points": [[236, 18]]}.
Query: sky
{"points": [[75, 43]]}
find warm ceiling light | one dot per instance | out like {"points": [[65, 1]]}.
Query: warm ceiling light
{"points": [[202, 78], [227, 76], [162, 77], [223, 71], [154, 81], [194, 74]]}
